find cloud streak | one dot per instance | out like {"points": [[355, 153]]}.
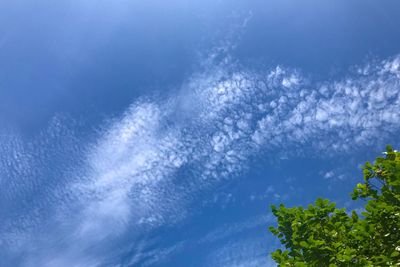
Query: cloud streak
{"points": [[147, 167]]}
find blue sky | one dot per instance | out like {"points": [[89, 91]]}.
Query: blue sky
{"points": [[158, 134]]}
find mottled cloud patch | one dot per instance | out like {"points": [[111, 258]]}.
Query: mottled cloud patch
{"points": [[145, 168]]}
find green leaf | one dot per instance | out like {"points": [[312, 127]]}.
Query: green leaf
{"points": [[321, 235]]}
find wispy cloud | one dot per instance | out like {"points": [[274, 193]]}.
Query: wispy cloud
{"points": [[250, 252], [149, 164]]}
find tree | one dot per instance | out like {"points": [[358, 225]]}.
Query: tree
{"points": [[323, 235]]}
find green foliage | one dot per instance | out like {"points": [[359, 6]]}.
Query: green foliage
{"points": [[323, 235]]}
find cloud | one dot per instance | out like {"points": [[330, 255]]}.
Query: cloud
{"points": [[239, 244], [145, 168], [228, 230], [251, 252]]}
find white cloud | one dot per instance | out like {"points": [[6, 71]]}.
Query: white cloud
{"points": [[234, 244], [251, 252], [329, 174], [127, 179]]}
